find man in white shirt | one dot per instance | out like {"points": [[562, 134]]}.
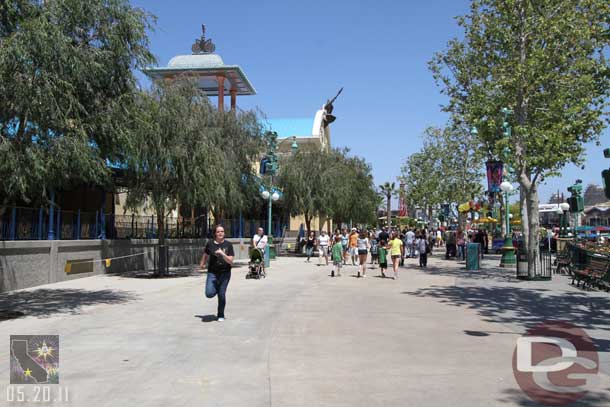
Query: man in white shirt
{"points": [[323, 241]]}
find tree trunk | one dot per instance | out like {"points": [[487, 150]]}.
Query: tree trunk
{"points": [[308, 223], [525, 225], [389, 210], [218, 215], [161, 266], [529, 190], [3, 205], [533, 246]]}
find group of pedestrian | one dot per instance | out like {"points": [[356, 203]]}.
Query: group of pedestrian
{"points": [[218, 254], [382, 246], [459, 239]]}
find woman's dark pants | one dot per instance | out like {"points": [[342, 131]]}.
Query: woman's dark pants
{"points": [[216, 284]]}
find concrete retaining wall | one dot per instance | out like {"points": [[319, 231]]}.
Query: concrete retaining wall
{"points": [[26, 264]]}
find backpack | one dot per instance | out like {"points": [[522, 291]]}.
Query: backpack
{"points": [[428, 249]]}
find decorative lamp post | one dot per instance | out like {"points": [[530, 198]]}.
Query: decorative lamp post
{"points": [[270, 197], [564, 207], [576, 203], [508, 251], [272, 194]]}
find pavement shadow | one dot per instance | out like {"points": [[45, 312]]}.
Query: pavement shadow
{"points": [[174, 272], [46, 302], [526, 307], [207, 318], [449, 269], [515, 397]]}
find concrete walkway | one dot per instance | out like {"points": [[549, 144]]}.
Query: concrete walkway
{"points": [[442, 336]]}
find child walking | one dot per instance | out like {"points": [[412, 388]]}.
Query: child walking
{"points": [[374, 251], [337, 257], [383, 259], [423, 247]]}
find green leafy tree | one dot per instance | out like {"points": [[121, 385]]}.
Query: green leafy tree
{"points": [[545, 62], [66, 74], [173, 155], [240, 138], [447, 170], [342, 189], [421, 174], [305, 194], [353, 197]]}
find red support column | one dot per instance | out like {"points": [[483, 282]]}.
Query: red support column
{"points": [[233, 99], [221, 93]]}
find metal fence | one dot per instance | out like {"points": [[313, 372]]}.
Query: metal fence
{"points": [[543, 269], [18, 223]]}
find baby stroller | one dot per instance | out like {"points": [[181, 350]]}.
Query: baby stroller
{"points": [[256, 267]]}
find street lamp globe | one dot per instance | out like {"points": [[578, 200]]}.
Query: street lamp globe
{"points": [[275, 196], [506, 186], [565, 206], [265, 194]]}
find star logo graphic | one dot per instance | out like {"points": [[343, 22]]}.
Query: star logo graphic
{"points": [[28, 373]]}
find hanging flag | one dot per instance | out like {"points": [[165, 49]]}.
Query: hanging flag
{"points": [[402, 208]]}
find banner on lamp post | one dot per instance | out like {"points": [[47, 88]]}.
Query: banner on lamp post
{"points": [[494, 175]]}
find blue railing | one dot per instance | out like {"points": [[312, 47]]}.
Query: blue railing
{"points": [[19, 223]]}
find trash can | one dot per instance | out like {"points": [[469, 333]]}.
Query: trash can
{"points": [[272, 248], [473, 253]]}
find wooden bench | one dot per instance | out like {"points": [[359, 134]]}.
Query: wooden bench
{"points": [[604, 281], [591, 273]]}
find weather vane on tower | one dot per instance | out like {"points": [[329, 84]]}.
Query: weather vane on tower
{"points": [[203, 46]]}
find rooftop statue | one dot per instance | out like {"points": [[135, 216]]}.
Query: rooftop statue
{"points": [[203, 46], [328, 107]]}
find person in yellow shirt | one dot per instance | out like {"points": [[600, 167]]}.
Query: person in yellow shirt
{"points": [[353, 243], [396, 248]]}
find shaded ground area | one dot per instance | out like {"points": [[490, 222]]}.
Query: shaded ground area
{"points": [[497, 296], [46, 302]]}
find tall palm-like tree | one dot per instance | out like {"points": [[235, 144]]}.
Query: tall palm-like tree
{"points": [[387, 190]]}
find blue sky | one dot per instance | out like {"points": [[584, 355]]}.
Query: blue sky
{"points": [[299, 53]]}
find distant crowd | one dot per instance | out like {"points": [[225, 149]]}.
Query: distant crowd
{"points": [[377, 247]]}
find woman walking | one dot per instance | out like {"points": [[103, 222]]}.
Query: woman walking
{"points": [[353, 243], [363, 246], [461, 244], [310, 244], [396, 252], [218, 257]]}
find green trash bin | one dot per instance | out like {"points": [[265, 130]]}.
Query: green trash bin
{"points": [[272, 249], [473, 254]]}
